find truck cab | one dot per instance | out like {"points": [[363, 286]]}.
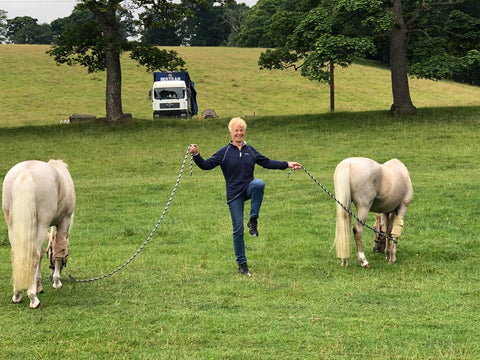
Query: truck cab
{"points": [[173, 95]]}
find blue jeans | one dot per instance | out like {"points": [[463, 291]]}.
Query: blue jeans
{"points": [[255, 193]]}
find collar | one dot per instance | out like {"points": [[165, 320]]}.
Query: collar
{"points": [[243, 144]]}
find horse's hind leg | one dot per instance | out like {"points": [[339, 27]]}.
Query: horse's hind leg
{"points": [[17, 296], [32, 290], [38, 274], [357, 232]]}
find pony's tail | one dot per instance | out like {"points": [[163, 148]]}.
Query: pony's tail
{"points": [[24, 231], [343, 225]]}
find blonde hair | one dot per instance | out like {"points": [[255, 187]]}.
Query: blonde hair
{"points": [[237, 122]]}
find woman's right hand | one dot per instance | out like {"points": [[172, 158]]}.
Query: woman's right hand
{"points": [[194, 149]]}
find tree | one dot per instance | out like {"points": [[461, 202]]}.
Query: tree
{"points": [[77, 17], [97, 44], [25, 30], [3, 26], [206, 27], [213, 24], [234, 15], [166, 36], [254, 31], [325, 37], [335, 30]]}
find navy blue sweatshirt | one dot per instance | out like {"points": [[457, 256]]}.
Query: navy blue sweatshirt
{"points": [[237, 166]]}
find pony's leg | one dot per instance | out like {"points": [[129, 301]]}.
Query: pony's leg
{"points": [[32, 290], [60, 250], [357, 233], [38, 274], [36, 286], [17, 296], [388, 230], [56, 276], [380, 241], [396, 231], [55, 263]]}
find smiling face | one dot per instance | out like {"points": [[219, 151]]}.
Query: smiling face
{"points": [[237, 133], [237, 128]]}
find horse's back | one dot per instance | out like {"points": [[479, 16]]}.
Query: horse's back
{"points": [[365, 178], [53, 185], [67, 188], [398, 174], [380, 187]]}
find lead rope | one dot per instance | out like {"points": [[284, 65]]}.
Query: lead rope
{"points": [[153, 231], [381, 233]]}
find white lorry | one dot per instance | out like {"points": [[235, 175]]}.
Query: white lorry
{"points": [[173, 95]]}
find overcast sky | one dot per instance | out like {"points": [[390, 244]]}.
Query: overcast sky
{"points": [[45, 11]]}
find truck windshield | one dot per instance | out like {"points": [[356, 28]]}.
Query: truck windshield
{"points": [[170, 93]]}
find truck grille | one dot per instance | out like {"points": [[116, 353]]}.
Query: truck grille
{"points": [[170, 106]]}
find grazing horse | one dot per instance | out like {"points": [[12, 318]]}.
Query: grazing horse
{"points": [[384, 189], [35, 196]]}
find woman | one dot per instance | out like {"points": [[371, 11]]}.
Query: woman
{"points": [[237, 160]]}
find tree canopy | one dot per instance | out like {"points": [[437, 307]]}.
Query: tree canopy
{"points": [[3, 25], [26, 30], [428, 39]]}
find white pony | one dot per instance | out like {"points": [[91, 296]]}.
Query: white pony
{"points": [[35, 196], [385, 189]]}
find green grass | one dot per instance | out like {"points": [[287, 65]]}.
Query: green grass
{"points": [[181, 297]]}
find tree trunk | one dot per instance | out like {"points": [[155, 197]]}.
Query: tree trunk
{"points": [[106, 16], [402, 103], [113, 102], [332, 86]]}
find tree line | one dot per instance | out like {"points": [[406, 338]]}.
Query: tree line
{"points": [[209, 23]]}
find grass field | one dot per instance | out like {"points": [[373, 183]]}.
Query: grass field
{"points": [[181, 298]]}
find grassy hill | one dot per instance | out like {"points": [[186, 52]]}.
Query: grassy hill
{"points": [[35, 91]]}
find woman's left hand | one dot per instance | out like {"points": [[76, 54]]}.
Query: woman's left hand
{"points": [[294, 165]]}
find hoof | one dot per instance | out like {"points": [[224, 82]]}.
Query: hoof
{"points": [[16, 299], [365, 264], [35, 304], [57, 286]]}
